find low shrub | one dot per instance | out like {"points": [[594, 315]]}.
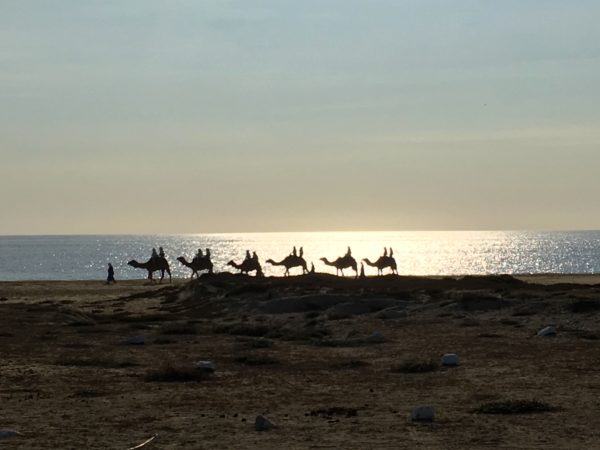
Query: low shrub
{"points": [[176, 374], [256, 360], [352, 364], [95, 362], [179, 329], [413, 366], [515, 407]]}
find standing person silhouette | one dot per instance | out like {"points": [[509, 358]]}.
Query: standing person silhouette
{"points": [[111, 274]]}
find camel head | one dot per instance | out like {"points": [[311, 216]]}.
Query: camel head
{"points": [[133, 263], [182, 260], [270, 261], [231, 263]]}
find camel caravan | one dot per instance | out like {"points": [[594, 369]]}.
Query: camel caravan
{"points": [[202, 262]]}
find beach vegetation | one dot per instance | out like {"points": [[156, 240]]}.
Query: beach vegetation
{"points": [[515, 407], [415, 366]]}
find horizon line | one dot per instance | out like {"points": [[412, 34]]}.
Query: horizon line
{"points": [[480, 230]]}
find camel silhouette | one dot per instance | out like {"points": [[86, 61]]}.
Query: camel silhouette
{"points": [[152, 265], [289, 262], [248, 265], [197, 264], [343, 262], [382, 263]]}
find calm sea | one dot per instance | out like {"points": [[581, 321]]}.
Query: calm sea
{"points": [[417, 253]]}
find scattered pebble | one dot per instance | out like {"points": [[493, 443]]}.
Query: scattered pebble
{"points": [[262, 423], [8, 434], [450, 360], [376, 336], [422, 414], [548, 331], [207, 366], [135, 340]]}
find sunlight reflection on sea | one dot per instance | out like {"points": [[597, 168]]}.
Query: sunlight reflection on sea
{"points": [[417, 253]]}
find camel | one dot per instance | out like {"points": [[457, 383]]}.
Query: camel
{"points": [[152, 265], [343, 262], [290, 261], [382, 263], [248, 265], [197, 264]]}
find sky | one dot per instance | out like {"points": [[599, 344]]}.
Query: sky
{"points": [[145, 116]]}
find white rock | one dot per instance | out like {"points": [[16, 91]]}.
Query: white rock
{"points": [[135, 340], [548, 331], [8, 434], [207, 366], [422, 414], [262, 424], [450, 359]]}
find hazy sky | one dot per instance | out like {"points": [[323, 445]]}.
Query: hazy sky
{"points": [[147, 116]]}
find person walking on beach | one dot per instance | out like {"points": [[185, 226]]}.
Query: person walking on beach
{"points": [[111, 274]]}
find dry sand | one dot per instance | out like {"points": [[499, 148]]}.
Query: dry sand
{"points": [[68, 380]]}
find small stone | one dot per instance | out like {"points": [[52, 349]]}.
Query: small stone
{"points": [[548, 331], [262, 424], [450, 359], [207, 366], [8, 434], [135, 340], [422, 414], [376, 336]]}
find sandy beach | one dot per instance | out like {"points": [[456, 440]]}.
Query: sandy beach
{"points": [[333, 363]]}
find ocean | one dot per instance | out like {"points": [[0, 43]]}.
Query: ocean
{"points": [[417, 253]]}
